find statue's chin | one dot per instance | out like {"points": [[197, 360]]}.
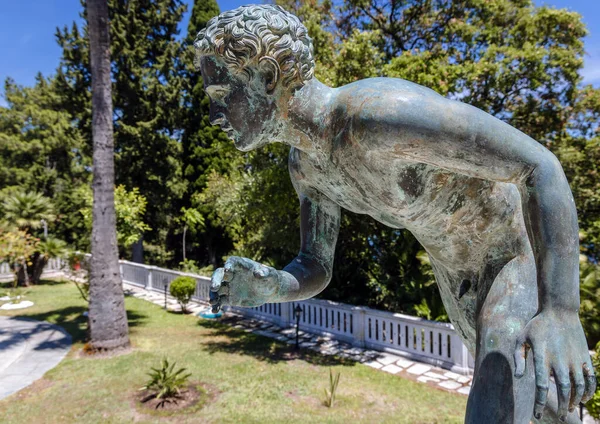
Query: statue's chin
{"points": [[248, 145], [240, 145]]}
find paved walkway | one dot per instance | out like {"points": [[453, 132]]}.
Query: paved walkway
{"points": [[385, 362], [28, 349]]}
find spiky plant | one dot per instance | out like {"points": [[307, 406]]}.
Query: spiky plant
{"points": [[166, 382], [330, 393]]}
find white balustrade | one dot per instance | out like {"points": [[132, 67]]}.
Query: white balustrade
{"points": [[415, 338]]}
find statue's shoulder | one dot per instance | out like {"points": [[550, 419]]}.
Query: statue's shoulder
{"points": [[392, 100], [384, 89]]}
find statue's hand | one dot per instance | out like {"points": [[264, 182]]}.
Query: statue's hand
{"points": [[558, 345], [242, 282]]}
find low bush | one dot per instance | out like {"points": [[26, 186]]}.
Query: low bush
{"points": [[182, 289]]}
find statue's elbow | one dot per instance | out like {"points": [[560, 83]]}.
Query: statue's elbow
{"points": [[545, 171]]}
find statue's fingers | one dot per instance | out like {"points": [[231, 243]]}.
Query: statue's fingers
{"points": [[216, 279], [216, 307], [577, 389], [563, 391], [260, 271], [541, 384], [520, 357], [590, 382]]}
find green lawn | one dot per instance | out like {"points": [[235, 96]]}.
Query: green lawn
{"points": [[254, 378]]}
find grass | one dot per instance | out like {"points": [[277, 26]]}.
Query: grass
{"points": [[256, 380]]}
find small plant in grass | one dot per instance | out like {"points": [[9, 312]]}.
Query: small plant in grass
{"points": [[165, 382], [84, 290], [330, 392], [17, 294], [77, 272], [182, 289]]}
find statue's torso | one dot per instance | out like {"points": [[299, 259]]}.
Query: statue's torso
{"points": [[470, 227], [460, 220]]}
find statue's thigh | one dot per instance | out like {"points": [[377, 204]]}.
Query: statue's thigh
{"points": [[496, 396]]}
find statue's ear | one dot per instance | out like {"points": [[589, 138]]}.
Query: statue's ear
{"points": [[271, 71]]}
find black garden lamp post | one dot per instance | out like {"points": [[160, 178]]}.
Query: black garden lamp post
{"points": [[166, 286], [297, 311]]}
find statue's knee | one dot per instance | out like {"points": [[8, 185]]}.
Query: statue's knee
{"points": [[499, 334]]}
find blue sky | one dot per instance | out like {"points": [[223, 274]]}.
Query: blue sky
{"points": [[28, 46]]}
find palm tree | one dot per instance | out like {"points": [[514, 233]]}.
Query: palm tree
{"points": [[26, 210], [107, 317], [47, 249]]}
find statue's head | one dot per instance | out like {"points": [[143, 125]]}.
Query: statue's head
{"points": [[252, 60]]}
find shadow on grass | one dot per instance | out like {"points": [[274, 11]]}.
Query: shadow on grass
{"points": [[47, 282], [6, 285], [261, 347], [72, 320]]}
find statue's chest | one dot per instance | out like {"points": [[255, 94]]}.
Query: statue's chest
{"points": [[388, 190], [400, 193]]}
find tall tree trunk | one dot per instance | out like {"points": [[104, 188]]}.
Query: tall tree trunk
{"points": [[39, 262], [107, 317]]}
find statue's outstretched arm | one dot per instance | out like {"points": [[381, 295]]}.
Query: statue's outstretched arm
{"points": [[244, 282], [461, 138], [311, 270]]}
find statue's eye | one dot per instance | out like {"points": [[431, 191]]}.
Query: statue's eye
{"points": [[218, 93]]}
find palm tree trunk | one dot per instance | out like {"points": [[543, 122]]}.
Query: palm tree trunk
{"points": [[107, 317]]}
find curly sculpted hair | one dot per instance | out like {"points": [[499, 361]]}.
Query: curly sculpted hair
{"points": [[244, 36]]}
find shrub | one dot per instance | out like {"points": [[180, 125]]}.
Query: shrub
{"points": [[593, 405], [182, 289], [165, 382]]}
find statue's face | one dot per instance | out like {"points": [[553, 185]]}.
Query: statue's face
{"points": [[243, 109]]}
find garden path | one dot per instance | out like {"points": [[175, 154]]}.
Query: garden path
{"points": [[28, 349]]}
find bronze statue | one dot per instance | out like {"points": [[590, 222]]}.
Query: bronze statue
{"points": [[491, 206]]}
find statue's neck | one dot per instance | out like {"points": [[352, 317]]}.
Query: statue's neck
{"points": [[308, 117]]}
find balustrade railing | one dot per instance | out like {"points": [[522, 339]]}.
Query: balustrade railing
{"points": [[415, 338]]}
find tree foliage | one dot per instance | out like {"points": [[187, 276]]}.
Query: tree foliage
{"points": [[42, 151], [16, 248], [130, 208], [26, 210]]}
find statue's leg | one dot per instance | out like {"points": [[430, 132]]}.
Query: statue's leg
{"points": [[496, 396]]}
